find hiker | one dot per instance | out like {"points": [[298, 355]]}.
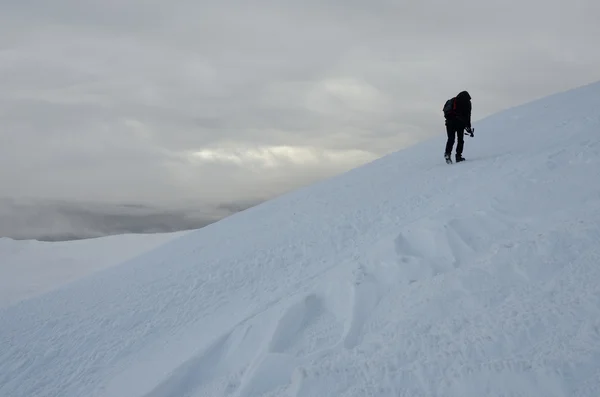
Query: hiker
{"points": [[457, 113]]}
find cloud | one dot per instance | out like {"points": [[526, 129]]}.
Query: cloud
{"points": [[167, 103], [55, 220]]}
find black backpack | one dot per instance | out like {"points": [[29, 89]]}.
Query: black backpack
{"points": [[449, 107]]}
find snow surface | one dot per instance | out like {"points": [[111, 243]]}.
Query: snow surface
{"points": [[31, 267], [403, 277]]}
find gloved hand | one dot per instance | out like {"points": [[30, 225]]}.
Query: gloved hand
{"points": [[470, 131]]}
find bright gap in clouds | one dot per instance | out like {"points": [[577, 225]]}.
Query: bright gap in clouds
{"points": [[273, 157], [258, 173]]}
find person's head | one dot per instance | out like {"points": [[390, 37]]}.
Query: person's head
{"points": [[464, 95]]}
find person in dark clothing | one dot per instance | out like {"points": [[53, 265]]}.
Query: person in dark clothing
{"points": [[458, 119]]}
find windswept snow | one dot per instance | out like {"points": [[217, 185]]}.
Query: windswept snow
{"points": [[404, 277]]}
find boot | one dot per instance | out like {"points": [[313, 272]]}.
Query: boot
{"points": [[459, 158], [448, 158]]}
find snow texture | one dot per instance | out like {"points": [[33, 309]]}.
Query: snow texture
{"points": [[403, 277]]}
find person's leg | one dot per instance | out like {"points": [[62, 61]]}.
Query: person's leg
{"points": [[461, 142], [450, 141]]}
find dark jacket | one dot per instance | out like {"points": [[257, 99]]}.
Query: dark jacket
{"points": [[461, 115]]}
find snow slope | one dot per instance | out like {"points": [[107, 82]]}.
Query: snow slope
{"points": [[30, 267], [404, 277]]}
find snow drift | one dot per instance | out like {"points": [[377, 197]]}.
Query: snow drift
{"points": [[404, 277]]}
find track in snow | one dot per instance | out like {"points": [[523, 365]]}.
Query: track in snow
{"points": [[296, 334]]}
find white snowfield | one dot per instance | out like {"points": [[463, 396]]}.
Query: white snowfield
{"points": [[404, 277], [30, 267]]}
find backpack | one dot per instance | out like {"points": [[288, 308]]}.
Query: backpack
{"points": [[449, 107]]}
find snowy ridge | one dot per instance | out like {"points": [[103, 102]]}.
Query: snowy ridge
{"points": [[404, 277]]}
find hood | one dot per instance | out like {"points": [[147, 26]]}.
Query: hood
{"points": [[464, 95]]}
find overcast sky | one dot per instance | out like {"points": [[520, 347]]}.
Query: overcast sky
{"points": [[169, 102]]}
